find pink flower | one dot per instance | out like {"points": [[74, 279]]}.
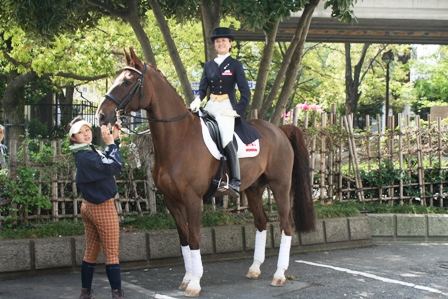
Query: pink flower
{"points": [[305, 106], [287, 115]]}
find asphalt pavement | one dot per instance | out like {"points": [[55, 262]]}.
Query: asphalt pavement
{"points": [[395, 270]]}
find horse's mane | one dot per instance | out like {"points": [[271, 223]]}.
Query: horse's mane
{"points": [[161, 75]]}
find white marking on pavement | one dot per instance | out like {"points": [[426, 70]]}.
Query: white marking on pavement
{"points": [[373, 276], [146, 292]]}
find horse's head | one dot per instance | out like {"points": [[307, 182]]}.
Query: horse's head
{"points": [[126, 93]]}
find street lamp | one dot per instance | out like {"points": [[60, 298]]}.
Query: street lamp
{"points": [[387, 57]]}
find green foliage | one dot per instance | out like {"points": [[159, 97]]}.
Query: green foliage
{"points": [[219, 217], [149, 222], [37, 129], [334, 210], [46, 18], [24, 194], [45, 229]]}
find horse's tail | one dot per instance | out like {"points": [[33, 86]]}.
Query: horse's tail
{"points": [[303, 206]]}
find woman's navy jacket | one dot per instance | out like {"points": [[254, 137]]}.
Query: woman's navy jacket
{"points": [[95, 173]]}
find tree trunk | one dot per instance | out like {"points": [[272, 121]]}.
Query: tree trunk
{"points": [[66, 105], [304, 22], [265, 66], [134, 21], [172, 49], [13, 103], [210, 15], [131, 16], [294, 59], [353, 79]]}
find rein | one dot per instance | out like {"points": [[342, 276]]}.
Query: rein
{"points": [[123, 105]]}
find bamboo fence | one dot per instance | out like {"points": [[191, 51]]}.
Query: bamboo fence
{"points": [[407, 163]]}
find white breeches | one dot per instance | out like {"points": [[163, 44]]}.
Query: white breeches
{"points": [[225, 116]]}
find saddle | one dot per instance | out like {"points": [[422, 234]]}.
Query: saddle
{"points": [[217, 186]]}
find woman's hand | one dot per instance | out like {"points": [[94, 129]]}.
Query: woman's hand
{"points": [[116, 130], [106, 135]]}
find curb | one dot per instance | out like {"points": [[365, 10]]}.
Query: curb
{"points": [[145, 249], [409, 227]]}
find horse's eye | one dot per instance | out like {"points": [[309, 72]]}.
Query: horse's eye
{"points": [[126, 83]]}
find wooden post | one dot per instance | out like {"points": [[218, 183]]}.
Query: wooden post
{"points": [[13, 172], [54, 186], [322, 183], [420, 169], [352, 148], [400, 157], [440, 156]]}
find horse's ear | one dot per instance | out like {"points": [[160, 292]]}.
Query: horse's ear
{"points": [[128, 58], [134, 58]]}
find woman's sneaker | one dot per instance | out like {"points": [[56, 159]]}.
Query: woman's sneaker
{"points": [[86, 294], [117, 294]]}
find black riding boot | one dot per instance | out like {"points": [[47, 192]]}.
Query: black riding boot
{"points": [[234, 167]]}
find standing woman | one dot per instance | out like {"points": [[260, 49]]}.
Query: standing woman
{"points": [[3, 148], [220, 76], [95, 172]]}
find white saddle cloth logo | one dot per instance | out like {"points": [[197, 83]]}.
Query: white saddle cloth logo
{"points": [[244, 150]]}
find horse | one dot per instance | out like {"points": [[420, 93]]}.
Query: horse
{"points": [[184, 168]]}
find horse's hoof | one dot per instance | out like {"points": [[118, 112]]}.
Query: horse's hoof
{"points": [[253, 274], [192, 292], [183, 285], [278, 281], [193, 288], [185, 281]]}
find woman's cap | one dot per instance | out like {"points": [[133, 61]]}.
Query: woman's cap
{"points": [[222, 32], [77, 126]]}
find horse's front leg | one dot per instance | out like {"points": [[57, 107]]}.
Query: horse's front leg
{"points": [[186, 254], [189, 240], [191, 252], [193, 288]]}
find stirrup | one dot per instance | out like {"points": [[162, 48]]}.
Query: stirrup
{"points": [[225, 188]]}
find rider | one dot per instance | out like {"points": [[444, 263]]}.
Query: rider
{"points": [[220, 75]]}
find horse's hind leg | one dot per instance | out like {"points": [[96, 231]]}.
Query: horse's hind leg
{"points": [[255, 201], [283, 261], [281, 191]]}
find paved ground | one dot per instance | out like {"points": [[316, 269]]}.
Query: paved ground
{"points": [[393, 270]]}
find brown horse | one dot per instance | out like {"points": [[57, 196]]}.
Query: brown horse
{"points": [[184, 167]]}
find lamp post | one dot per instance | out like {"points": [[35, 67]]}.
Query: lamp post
{"points": [[387, 57]]}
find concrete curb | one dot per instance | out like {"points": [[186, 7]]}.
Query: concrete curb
{"points": [[145, 249], [409, 227], [156, 248]]}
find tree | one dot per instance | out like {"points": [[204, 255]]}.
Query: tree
{"points": [[63, 61]]}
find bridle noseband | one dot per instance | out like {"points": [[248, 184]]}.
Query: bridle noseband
{"points": [[123, 105]]}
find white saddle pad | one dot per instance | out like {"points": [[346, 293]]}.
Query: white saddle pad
{"points": [[244, 150]]}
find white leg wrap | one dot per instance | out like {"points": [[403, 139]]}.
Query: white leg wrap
{"points": [[186, 253], [187, 258], [196, 262], [283, 255], [260, 245]]}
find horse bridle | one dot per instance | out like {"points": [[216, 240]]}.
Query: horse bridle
{"points": [[123, 105]]}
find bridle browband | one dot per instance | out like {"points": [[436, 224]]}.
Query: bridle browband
{"points": [[123, 105]]}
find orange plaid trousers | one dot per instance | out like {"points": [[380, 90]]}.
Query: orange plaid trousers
{"points": [[102, 231]]}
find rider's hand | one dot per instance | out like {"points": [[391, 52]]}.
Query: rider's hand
{"points": [[194, 106]]}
